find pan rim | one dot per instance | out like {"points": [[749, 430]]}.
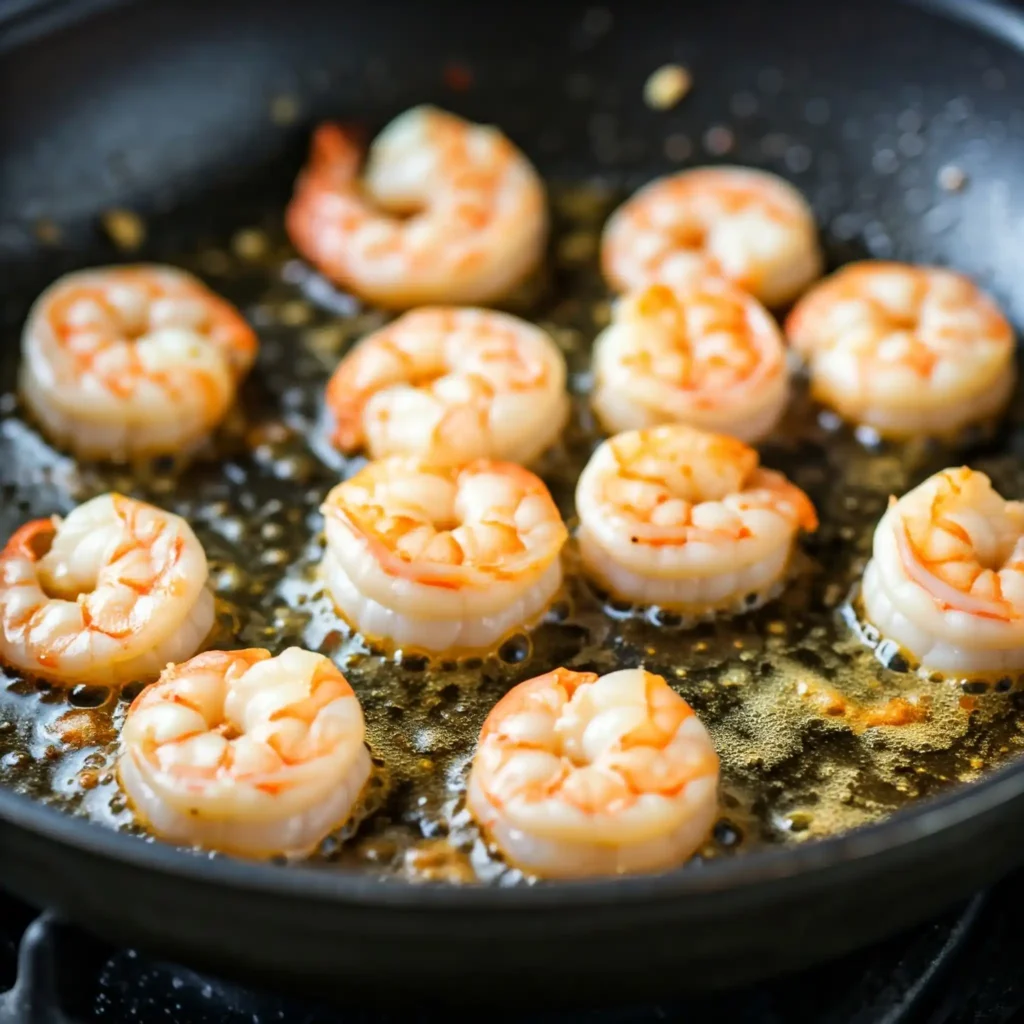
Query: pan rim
{"points": [[818, 859]]}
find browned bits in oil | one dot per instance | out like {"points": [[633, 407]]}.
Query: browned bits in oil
{"points": [[897, 711], [125, 229], [82, 727], [578, 247], [436, 860], [667, 86], [601, 313]]}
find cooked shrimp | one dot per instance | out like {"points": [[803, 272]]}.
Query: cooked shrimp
{"points": [[436, 559], [946, 578], [905, 350], [579, 775], [747, 226], [245, 753], [109, 594], [708, 355], [451, 385], [131, 362], [683, 519], [447, 211]]}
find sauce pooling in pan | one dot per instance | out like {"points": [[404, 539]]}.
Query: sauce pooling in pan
{"points": [[816, 731]]}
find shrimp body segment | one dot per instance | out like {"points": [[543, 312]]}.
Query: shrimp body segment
{"points": [[748, 226], [946, 577], [686, 520], [446, 211], [130, 362], [241, 752], [578, 775], [451, 385], [905, 350], [433, 559], [107, 595], [707, 354]]}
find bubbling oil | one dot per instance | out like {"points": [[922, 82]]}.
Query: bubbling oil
{"points": [[819, 727]]}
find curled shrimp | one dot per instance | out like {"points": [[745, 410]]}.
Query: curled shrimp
{"points": [[748, 226], [446, 211], [432, 558], [905, 350], [107, 595], [707, 354], [130, 362], [241, 752], [451, 385], [676, 517], [946, 577], [576, 775]]}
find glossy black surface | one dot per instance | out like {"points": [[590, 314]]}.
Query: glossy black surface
{"points": [[962, 968], [166, 108]]}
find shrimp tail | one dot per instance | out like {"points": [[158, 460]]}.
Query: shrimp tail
{"points": [[32, 540], [335, 155]]}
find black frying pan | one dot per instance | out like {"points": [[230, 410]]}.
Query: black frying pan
{"points": [[163, 106]]}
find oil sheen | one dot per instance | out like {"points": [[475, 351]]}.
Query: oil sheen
{"points": [[820, 729]]}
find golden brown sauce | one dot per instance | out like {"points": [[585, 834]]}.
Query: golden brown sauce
{"points": [[815, 733]]}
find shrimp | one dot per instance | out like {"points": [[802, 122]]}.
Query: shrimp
{"points": [[577, 775], [124, 363], [686, 520], [747, 226], [946, 577], [244, 753], [905, 350], [708, 355], [435, 559], [107, 595], [451, 385], [447, 211]]}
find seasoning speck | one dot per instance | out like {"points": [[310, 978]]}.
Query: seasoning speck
{"points": [[667, 86], [124, 228]]}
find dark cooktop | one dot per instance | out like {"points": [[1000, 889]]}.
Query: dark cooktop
{"points": [[965, 968]]}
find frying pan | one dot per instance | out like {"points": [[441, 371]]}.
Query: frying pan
{"points": [[162, 107]]}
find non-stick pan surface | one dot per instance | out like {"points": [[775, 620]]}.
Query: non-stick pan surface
{"points": [[163, 108]]}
